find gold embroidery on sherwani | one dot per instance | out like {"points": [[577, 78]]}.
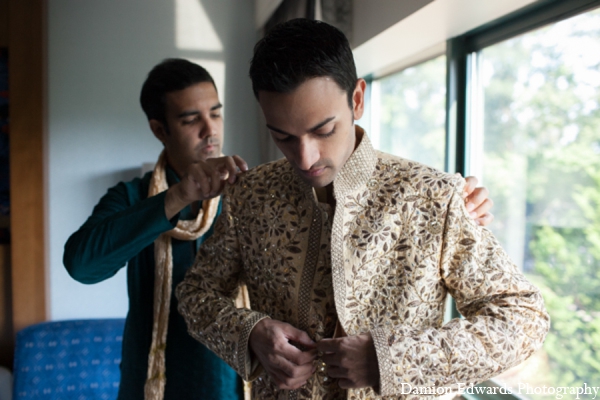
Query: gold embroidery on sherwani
{"points": [[399, 242], [358, 169], [308, 275], [308, 272]]}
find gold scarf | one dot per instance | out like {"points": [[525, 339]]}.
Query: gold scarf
{"points": [[163, 270]]}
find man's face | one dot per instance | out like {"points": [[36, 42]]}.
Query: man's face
{"points": [[195, 126], [313, 126]]}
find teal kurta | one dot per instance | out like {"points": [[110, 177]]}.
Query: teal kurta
{"points": [[120, 231]]}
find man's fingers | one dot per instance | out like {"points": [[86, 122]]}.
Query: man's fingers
{"points": [[228, 166], [337, 372], [482, 208], [202, 181], [299, 371], [216, 181], [289, 376], [241, 164], [301, 348], [281, 380], [353, 358], [271, 341], [284, 367], [485, 219], [331, 359], [479, 204], [470, 186], [231, 167], [476, 198], [328, 345], [208, 180], [299, 337], [300, 357]]}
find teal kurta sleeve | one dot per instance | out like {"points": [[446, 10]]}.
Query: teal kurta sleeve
{"points": [[118, 229]]}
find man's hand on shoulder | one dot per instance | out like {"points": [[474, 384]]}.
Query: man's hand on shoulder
{"points": [[286, 353], [478, 202], [352, 360], [201, 181]]}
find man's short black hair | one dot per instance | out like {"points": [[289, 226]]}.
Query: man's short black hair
{"points": [[170, 75], [298, 50]]}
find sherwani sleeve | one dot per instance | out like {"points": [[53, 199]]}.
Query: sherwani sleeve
{"points": [[207, 295], [504, 316]]}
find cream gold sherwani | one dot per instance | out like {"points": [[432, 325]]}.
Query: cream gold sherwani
{"points": [[399, 240]]}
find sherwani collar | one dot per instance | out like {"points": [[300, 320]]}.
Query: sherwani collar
{"points": [[359, 167]]}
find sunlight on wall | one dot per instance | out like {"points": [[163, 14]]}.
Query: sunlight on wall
{"points": [[194, 30]]}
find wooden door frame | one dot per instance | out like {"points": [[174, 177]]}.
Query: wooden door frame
{"points": [[27, 112]]}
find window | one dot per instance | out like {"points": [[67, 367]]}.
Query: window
{"points": [[534, 131], [408, 113], [520, 109]]}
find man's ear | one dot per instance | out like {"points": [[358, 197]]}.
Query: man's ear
{"points": [[358, 98], [158, 129]]}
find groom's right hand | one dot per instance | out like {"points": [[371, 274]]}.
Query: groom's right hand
{"points": [[286, 353]]}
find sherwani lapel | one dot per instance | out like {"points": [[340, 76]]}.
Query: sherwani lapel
{"points": [[353, 177]]}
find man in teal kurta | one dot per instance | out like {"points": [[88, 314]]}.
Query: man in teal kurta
{"points": [[183, 109]]}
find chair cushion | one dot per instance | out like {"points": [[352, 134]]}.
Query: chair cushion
{"points": [[76, 359]]}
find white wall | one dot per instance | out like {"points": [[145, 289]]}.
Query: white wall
{"points": [[99, 53]]}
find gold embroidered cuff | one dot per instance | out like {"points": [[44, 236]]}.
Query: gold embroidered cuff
{"points": [[248, 369], [386, 374]]}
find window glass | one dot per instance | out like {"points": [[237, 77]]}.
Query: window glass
{"points": [[408, 113], [535, 143]]}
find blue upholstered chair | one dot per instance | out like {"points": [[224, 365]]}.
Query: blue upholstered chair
{"points": [[69, 360]]}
